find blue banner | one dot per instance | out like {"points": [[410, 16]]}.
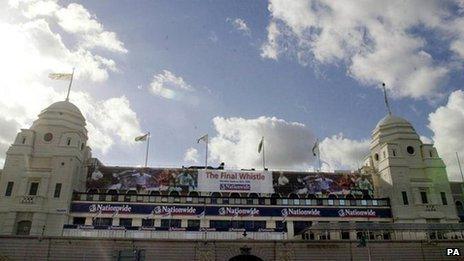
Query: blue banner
{"points": [[228, 211]]}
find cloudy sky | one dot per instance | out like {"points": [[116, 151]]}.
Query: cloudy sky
{"points": [[291, 71]]}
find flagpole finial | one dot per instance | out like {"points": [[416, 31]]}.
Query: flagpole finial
{"points": [[386, 99]]}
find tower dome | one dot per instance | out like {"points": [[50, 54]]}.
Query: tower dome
{"points": [[62, 113], [392, 127], [392, 120]]}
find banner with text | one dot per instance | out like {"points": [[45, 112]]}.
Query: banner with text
{"points": [[235, 181]]}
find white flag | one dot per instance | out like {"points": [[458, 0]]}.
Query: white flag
{"points": [[142, 137], [60, 76], [203, 138]]}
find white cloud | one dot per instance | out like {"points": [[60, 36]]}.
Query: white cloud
{"points": [[271, 48], [426, 140], [287, 144], [76, 20], [240, 25], [447, 124], [30, 50], [191, 155], [343, 153], [168, 85], [376, 40]]}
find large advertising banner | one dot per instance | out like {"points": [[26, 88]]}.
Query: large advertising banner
{"points": [[230, 211], [180, 180], [322, 184], [235, 181]]}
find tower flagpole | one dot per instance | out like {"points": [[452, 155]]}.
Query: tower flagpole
{"points": [[148, 146], [386, 99], [70, 83]]}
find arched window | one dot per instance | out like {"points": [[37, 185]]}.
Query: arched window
{"points": [[253, 195], [275, 195], [349, 196], [68, 141], [112, 192], [92, 191], [132, 192], [82, 146], [173, 193], [155, 193], [234, 195], [367, 196], [23, 227], [216, 195], [311, 196], [193, 194], [332, 196], [293, 195]]}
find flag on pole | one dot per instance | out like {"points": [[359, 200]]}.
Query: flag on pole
{"points": [[60, 76], [141, 137], [315, 148], [204, 138], [260, 146]]}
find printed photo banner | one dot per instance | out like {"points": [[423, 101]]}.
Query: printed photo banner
{"points": [[180, 180], [322, 184], [229, 212], [235, 181]]}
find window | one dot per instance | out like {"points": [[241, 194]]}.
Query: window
{"points": [[125, 222], [424, 197], [443, 198], [410, 150], [9, 189], [102, 222], [57, 190], [193, 223], [79, 220], [48, 137], [68, 142], [345, 234], [82, 146], [430, 153], [147, 222], [23, 227], [376, 157], [33, 188], [405, 198], [394, 152], [384, 155], [170, 223], [24, 140]]}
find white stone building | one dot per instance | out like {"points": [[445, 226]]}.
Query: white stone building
{"points": [[47, 165]]}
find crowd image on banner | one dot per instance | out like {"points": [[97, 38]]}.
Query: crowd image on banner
{"points": [[150, 179], [322, 184]]}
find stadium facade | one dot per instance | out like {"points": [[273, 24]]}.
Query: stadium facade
{"points": [[52, 187]]}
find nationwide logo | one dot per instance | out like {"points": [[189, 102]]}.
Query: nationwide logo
{"points": [[300, 212], [227, 211], [244, 187], [110, 208], [162, 210], [356, 213]]}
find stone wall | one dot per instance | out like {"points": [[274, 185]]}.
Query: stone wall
{"points": [[59, 248]]}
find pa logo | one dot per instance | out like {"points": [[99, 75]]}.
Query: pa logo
{"points": [[453, 252]]}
